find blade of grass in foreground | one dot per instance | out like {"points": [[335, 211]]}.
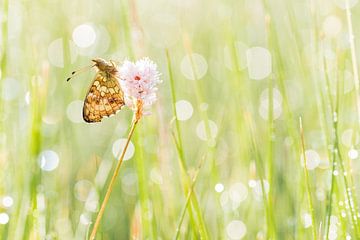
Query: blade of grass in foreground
{"points": [[177, 233], [148, 229], [260, 172], [186, 181], [332, 153], [307, 183]]}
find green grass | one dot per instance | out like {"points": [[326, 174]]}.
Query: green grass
{"points": [[166, 190]]}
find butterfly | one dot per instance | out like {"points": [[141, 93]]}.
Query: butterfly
{"points": [[105, 97]]}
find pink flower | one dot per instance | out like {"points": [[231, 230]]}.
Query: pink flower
{"points": [[138, 81]]}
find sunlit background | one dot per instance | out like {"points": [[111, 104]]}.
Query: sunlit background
{"points": [[220, 157]]}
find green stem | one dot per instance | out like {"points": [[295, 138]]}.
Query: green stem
{"points": [[112, 181], [186, 181], [177, 233], [307, 183], [260, 172]]}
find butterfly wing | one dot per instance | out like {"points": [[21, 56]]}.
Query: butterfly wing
{"points": [[104, 98]]}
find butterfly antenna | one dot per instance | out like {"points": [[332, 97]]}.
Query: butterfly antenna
{"points": [[77, 72]]}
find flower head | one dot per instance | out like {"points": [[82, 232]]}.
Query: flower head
{"points": [[138, 81]]}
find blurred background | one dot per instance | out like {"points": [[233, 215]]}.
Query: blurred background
{"points": [[221, 156]]}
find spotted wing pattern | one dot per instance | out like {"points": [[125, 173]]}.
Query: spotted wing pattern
{"points": [[104, 98]]}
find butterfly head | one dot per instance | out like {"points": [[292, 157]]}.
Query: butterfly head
{"points": [[104, 65]]}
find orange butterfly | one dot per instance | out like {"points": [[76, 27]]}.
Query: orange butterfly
{"points": [[105, 96]]}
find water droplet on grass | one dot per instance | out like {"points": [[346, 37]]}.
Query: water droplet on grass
{"points": [[7, 201], [27, 98], [219, 187], [85, 219], [353, 154], [307, 221], [4, 218]]}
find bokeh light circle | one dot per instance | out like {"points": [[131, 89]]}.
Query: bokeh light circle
{"points": [[84, 35], [119, 145], [10, 89], [258, 63], [184, 110], [7, 201], [201, 130], [236, 229], [4, 218], [74, 111], [48, 160], [312, 159], [82, 189], [194, 66]]}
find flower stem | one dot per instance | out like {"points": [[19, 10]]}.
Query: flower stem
{"points": [[112, 182]]}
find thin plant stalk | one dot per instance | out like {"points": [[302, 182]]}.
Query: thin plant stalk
{"points": [[260, 172], [333, 155], [353, 56], [186, 181], [307, 183], [177, 233], [112, 182], [357, 87]]}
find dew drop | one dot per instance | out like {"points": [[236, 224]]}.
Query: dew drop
{"points": [[85, 219], [219, 187], [4, 218], [7, 201], [353, 153], [307, 221]]}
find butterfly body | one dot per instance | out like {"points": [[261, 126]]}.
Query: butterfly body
{"points": [[105, 96]]}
